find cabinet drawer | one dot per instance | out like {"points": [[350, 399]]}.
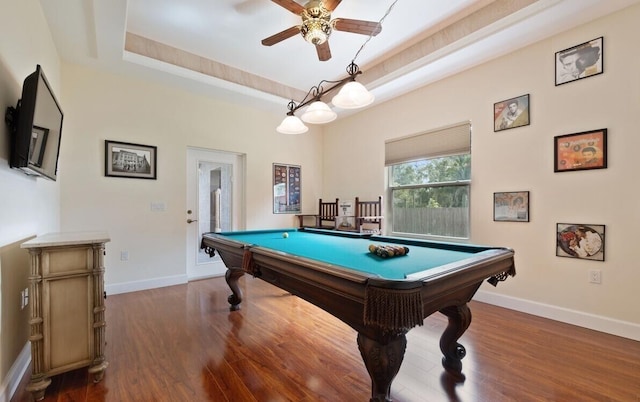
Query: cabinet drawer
{"points": [[66, 260]]}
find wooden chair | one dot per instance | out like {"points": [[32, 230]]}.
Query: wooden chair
{"points": [[327, 214], [369, 215], [326, 217]]}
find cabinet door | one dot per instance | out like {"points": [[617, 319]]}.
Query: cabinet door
{"points": [[68, 325]]}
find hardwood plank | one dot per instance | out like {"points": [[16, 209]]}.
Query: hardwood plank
{"points": [[182, 343]]}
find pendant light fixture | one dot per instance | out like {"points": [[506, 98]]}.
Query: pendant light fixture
{"points": [[319, 112]]}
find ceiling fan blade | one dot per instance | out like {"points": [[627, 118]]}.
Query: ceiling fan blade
{"points": [[290, 5], [331, 4], [280, 36], [357, 26], [324, 52]]}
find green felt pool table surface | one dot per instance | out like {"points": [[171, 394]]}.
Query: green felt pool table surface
{"points": [[351, 251]]}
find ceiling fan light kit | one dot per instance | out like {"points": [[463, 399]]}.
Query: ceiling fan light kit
{"points": [[316, 25]]}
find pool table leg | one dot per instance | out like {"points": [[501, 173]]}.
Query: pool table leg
{"points": [[231, 276], [383, 363], [459, 320]]}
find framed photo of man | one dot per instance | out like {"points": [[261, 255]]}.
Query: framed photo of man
{"points": [[580, 151], [511, 113], [581, 61]]}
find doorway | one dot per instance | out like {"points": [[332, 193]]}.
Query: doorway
{"points": [[214, 204]]}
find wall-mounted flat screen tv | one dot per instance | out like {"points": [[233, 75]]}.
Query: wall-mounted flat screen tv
{"points": [[36, 128]]}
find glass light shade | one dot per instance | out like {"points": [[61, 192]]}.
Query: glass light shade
{"points": [[292, 125], [353, 95], [316, 37], [318, 113]]}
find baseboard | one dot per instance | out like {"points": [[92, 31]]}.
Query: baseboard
{"points": [[607, 325], [205, 276], [16, 372], [126, 287]]}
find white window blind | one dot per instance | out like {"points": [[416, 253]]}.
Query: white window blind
{"points": [[446, 141]]}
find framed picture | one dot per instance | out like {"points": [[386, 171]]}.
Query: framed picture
{"points": [[346, 219], [134, 161], [511, 206], [580, 241], [287, 185], [581, 61], [511, 113], [580, 151]]}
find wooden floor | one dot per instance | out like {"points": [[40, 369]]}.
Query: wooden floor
{"points": [[181, 343]]}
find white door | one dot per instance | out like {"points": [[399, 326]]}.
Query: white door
{"points": [[214, 204]]}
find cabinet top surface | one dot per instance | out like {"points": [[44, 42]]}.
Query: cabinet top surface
{"points": [[67, 239]]}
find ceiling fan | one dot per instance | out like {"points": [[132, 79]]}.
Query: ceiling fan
{"points": [[317, 25]]}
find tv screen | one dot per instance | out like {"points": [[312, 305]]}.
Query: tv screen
{"points": [[37, 128]]}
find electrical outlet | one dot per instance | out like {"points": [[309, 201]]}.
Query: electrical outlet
{"points": [[24, 298], [124, 256], [595, 276]]}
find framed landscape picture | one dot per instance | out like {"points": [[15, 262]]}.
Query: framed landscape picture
{"points": [[134, 161], [511, 206], [580, 241], [511, 113], [580, 61], [580, 151]]}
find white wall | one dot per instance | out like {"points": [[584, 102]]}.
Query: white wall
{"points": [[103, 107], [522, 159], [27, 206]]}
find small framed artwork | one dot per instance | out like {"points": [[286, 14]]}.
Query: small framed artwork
{"points": [[580, 151], [580, 241], [287, 189], [511, 113], [134, 161], [511, 206], [581, 61]]}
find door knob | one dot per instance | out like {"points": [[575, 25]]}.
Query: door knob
{"points": [[191, 220]]}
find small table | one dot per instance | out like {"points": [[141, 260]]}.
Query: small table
{"points": [[381, 298]]}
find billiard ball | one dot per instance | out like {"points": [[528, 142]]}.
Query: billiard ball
{"points": [[285, 235]]}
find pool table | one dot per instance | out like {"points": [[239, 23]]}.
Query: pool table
{"points": [[381, 298]]}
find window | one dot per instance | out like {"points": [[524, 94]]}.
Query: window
{"points": [[429, 179]]}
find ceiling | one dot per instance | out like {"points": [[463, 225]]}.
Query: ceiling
{"points": [[213, 46]]}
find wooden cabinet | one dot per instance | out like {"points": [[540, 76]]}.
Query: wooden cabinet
{"points": [[67, 306]]}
